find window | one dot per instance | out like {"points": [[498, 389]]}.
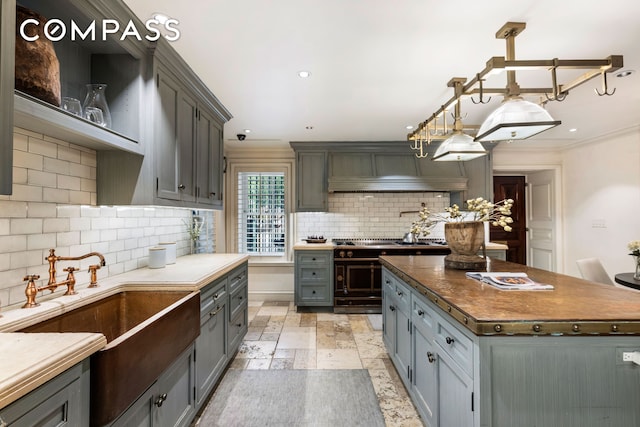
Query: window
{"points": [[261, 213]]}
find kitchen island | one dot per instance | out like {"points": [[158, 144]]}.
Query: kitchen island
{"points": [[474, 355]]}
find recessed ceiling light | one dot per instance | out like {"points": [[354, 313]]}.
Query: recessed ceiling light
{"points": [[247, 131], [573, 130], [304, 74], [409, 127], [624, 73]]}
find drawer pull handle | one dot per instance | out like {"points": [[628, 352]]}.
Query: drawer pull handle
{"points": [[160, 400], [313, 274], [313, 259], [215, 296], [239, 325], [400, 293], [240, 297], [420, 313], [387, 282], [213, 313], [449, 340], [392, 308], [431, 357], [313, 292]]}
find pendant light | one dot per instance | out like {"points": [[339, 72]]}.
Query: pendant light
{"points": [[515, 118], [459, 146]]}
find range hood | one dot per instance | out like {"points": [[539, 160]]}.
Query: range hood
{"points": [[395, 183], [383, 166]]}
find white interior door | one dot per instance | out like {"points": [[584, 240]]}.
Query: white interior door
{"points": [[541, 213]]}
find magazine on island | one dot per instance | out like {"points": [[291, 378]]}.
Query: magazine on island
{"points": [[511, 281]]}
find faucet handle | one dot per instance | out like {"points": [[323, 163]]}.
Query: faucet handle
{"points": [[71, 269], [94, 275], [71, 281], [31, 290]]}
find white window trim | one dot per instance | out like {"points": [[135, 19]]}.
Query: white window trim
{"points": [[232, 205]]}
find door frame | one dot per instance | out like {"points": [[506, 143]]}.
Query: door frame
{"points": [[525, 170]]}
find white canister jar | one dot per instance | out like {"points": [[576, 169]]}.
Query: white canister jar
{"points": [[171, 251], [157, 257]]}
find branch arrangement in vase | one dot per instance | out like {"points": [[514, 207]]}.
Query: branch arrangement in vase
{"points": [[498, 213]]}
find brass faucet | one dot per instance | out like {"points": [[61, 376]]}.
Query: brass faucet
{"points": [[32, 290]]}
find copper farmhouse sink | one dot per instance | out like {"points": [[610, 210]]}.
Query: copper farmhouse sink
{"points": [[145, 330]]}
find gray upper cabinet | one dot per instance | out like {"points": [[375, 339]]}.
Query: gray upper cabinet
{"points": [[7, 49], [165, 143], [311, 187], [209, 160]]}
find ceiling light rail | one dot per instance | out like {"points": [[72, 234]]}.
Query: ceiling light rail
{"points": [[512, 92]]}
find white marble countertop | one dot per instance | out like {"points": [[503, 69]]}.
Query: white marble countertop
{"points": [[29, 360]]}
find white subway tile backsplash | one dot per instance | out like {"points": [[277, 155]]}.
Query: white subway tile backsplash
{"points": [[53, 205], [25, 226], [11, 209], [56, 225], [56, 166], [26, 193], [54, 195], [67, 239], [24, 159], [20, 175], [362, 215], [41, 241], [46, 149], [41, 210]]}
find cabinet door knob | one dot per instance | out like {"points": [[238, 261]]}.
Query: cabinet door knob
{"points": [[181, 187], [212, 194], [313, 259], [399, 293], [160, 400], [431, 357], [449, 340], [313, 292], [420, 313], [392, 308], [313, 274]]}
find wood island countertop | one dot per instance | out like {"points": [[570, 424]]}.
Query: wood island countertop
{"points": [[574, 307]]}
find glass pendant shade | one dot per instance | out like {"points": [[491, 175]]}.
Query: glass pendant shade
{"points": [[459, 147], [515, 119]]}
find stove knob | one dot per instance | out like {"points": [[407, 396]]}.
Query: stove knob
{"points": [[349, 254], [341, 254], [419, 253], [383, 253]]}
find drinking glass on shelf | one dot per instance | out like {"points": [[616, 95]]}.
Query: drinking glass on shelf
{"points": [[94, 115], [72, 105]]}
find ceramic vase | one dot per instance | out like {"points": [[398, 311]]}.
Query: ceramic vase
{"points": [[636, 274], [464, 239]]}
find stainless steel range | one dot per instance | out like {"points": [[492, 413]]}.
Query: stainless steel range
{"points": [[357, 271]]}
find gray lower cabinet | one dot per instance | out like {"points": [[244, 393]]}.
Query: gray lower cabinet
{"points": [[62, 401], [238, 306], [169, 402], [223, 325], [313, 278], [212, 351], [433, 356], [397, 311]]}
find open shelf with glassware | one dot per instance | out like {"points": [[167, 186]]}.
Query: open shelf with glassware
{"points": [[118, 64]]}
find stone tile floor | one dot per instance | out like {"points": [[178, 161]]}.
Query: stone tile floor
{"points": [[280, 338]]}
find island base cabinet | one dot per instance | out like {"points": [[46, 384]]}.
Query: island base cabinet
{"points": [[62, 401], [169, 402], [559, 381]]}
